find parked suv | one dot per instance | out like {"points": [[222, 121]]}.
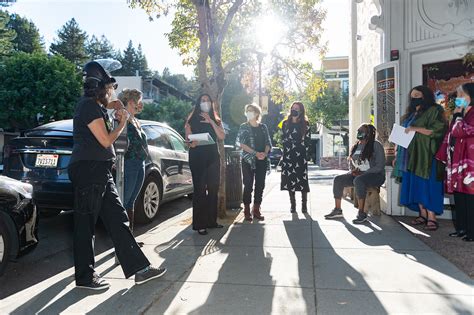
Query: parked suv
{"points": [[18, 220], [42, 155]]}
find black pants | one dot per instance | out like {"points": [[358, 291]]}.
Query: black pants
{"points": [[463, 214], [249, 176], [205, 169], [360, 183], [95, 196]]}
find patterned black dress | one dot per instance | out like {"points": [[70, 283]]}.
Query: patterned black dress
{"points": [[294, 167]]}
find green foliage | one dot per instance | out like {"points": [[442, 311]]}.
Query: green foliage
{"points": [[35, 84], [27, 37], [7, 35], [133, 60], [329, 108], [180, 82], [100, 48], [169, 110], [71, 43], [277, 139]]}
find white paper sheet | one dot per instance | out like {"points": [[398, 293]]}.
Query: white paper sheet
{"points": [[201, 138], [400, 137]]}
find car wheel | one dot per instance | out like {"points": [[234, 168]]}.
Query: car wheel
{"points": [[5, 246], [148, 202]]}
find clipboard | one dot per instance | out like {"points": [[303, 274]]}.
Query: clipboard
{"points": [[399, 137], [201, 138]]}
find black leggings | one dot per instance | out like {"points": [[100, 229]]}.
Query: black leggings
{"points": [[463, 214], [95, 196]]}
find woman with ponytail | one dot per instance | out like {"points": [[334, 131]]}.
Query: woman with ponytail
{"points": [[367, 169]]}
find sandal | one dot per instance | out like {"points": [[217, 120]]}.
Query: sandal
{"points": [[431, 225], [419, 220]]}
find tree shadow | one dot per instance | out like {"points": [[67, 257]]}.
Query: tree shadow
{"points": [[337, 301], [245, 275], [54, 256]]}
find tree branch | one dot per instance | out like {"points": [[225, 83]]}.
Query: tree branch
{"points": [[228, 20]]}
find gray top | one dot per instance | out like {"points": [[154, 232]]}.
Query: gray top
{"points": [[377, 161]]}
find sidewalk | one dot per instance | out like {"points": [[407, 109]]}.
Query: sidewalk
{"points": [[287, 264]]}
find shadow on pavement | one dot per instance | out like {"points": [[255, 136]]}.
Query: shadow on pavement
{"points": [[54, 255]]}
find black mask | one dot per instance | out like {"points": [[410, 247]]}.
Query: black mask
{"points": [[414, 102], [361, 135], [295, 113]]}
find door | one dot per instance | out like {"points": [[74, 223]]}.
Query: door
{"points": [[163, 155], [182, 161]]}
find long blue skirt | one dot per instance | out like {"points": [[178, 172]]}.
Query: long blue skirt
{"points": [[427, 192]]}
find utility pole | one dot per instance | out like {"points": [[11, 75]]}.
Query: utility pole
{"points": [[260, 59]]}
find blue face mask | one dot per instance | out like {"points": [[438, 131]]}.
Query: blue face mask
{"points": [[461, 102]]}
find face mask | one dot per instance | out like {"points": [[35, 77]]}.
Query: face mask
{"points": [[414, 102], [361, 135], [461, 102], [250, 115], [205, 107], [295, 113]]}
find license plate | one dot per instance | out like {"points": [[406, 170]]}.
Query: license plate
{"points": [[46, 160]]}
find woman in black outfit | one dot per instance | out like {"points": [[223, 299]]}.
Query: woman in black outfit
{"points": [[296, 141], [204, 163], [254, 140]]}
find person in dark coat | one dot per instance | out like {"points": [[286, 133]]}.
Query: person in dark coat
{"points": [[294, 168]]}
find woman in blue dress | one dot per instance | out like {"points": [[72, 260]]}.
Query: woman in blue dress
{"points": [[420, 173]]}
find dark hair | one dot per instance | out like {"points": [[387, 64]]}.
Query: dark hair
{"points": [[98, 93], [428, 101], [194, 117], [468, 88], [369, 147], [303, 123]]}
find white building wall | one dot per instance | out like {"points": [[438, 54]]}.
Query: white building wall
{"points": [[128, 82], [366, 54]]}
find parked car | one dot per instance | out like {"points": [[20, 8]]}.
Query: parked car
{"points": [[18, 220], [275, 155], [42, 155]]}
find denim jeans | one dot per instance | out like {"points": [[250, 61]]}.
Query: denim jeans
{"points": [[134, 175]]}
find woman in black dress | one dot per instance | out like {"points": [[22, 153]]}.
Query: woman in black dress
{"points": [[204, 163], [294, 170]]}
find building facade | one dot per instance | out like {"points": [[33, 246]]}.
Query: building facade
{"points": [[418, 42]]}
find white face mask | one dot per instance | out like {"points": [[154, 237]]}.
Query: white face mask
{"points": [[205, 107], [250, 115]]}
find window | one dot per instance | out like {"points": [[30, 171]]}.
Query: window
{"points": [[176, 141], [157, 137]]}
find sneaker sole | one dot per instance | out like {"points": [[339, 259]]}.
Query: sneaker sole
{"points": [[151, 278], [360, 221], [94, 289], [334, 216]]}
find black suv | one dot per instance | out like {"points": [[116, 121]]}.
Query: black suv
{"points": [[42, 155]]}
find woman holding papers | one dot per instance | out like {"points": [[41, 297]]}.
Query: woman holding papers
{"points": [[296, 139], [254, 140], [204, 163], [458, 155], [419, 171], [367, 169]]}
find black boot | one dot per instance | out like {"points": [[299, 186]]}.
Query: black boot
{"points": [[304, 201], [292, 201]]}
